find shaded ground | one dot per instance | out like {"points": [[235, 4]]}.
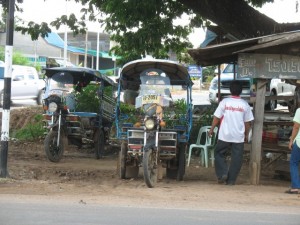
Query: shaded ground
{"points": [[79, 177]]}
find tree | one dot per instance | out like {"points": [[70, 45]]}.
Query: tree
{"points": [[18, 58], [143, 27]]}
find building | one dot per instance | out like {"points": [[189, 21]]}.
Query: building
{"points": [[80, 48]]}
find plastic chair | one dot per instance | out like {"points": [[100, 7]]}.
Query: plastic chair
{"points": [[204, 143], [209, 146]]}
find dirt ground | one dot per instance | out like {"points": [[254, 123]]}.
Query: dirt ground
{"points": [[79, 177]]}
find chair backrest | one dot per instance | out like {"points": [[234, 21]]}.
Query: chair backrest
{"points": [[203, 137]]}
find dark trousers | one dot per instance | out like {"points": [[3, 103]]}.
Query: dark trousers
{"points": [[221, 165]]}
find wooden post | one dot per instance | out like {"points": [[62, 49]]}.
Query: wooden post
{"points": [[255, 153]]}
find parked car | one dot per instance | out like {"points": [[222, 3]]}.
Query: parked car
{"points": [[276, 87], [25, 84]]}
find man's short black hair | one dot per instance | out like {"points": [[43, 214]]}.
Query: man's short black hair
{"points": [[236, 88]]}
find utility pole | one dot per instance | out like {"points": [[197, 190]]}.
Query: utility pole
{"points": [[7, 86]]}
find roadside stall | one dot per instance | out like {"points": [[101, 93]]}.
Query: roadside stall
{"points": [[262, 58]]}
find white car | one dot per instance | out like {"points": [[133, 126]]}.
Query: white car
{"points": [[277, 87], [25, 84]]}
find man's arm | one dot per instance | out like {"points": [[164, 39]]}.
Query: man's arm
{"points": [[294, 134], [247, 129], [215, 123]]}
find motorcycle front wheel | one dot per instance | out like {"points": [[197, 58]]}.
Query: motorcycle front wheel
{"points": [[150, 167], [53, 152]]}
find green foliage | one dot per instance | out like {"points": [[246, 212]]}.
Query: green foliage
{"points": [[144, 27], [31, 131], [176, 114], [208, 73], [204, 118], [18, 58], [87, 99]]}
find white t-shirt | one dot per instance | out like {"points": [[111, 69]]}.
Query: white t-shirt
{"points": [[233, 113], [297, 120]]}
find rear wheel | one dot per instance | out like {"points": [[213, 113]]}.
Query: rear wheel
{"points": [[181, 161], [150, 167], [122, 160], [99, 143], [53, 151], [124, 169]]}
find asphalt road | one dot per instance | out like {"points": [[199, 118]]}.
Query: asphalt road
{"points": [[68, 213]]}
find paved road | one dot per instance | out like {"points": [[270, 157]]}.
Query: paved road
{"points": [[30, 212]]}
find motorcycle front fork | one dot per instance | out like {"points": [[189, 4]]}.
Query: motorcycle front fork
{"points": [[151, 142]]}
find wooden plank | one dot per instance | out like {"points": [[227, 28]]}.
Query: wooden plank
{"points": [[268, 66], [255, 154]]}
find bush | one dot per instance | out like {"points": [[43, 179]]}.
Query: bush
{"points": [[32, 131]]}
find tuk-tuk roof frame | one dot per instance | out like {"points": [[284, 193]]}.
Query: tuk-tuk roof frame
{"points": [[130, 72], [81, 74]]}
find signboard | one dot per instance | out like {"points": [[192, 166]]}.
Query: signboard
{"points": [[268, 66], [195, 71]]}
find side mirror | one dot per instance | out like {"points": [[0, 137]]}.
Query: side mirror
{"points": [[17, 79]]}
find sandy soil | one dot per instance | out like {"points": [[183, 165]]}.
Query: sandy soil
{"points": [[80, 178]]}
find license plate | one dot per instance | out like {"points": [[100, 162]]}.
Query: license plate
{"points": [[150, 99]]}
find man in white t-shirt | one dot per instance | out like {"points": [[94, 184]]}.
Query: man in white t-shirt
{"points": [[234, 116], [295, 155]]}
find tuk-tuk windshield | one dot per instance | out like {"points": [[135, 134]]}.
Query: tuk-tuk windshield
{"points": [[155, 88], [59, 83]]}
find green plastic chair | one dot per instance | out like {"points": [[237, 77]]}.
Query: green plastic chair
{"points": [[204, 143]]}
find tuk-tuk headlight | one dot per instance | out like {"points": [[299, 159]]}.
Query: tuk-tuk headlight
{"points": [[149, 124], [52, 107]]}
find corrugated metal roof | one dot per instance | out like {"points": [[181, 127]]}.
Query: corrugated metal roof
{"points": [[283, 43]]}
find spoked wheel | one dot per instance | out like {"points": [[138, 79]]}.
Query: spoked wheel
{"points": [[181, 161], [150, 167], [122, 160], [99, 143], [53, 152]]}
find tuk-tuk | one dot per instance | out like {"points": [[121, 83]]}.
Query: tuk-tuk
{"points": [[154, 128], [71, 119]]}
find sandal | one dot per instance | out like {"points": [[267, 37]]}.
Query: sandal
{"points": [[292, 191]]}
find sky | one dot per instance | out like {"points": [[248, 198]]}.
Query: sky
{"points": [[282, 11]]}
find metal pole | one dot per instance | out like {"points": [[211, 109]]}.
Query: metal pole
{"points": [[66, 40], [7, 89], [97, 58], [86, 49]]}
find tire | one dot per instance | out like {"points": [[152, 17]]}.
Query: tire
{"points": [[177, 169], [272, 104], [181, 161], [99, 143], [39, 99], [53, 152], [150, 167], [122, 160]]}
